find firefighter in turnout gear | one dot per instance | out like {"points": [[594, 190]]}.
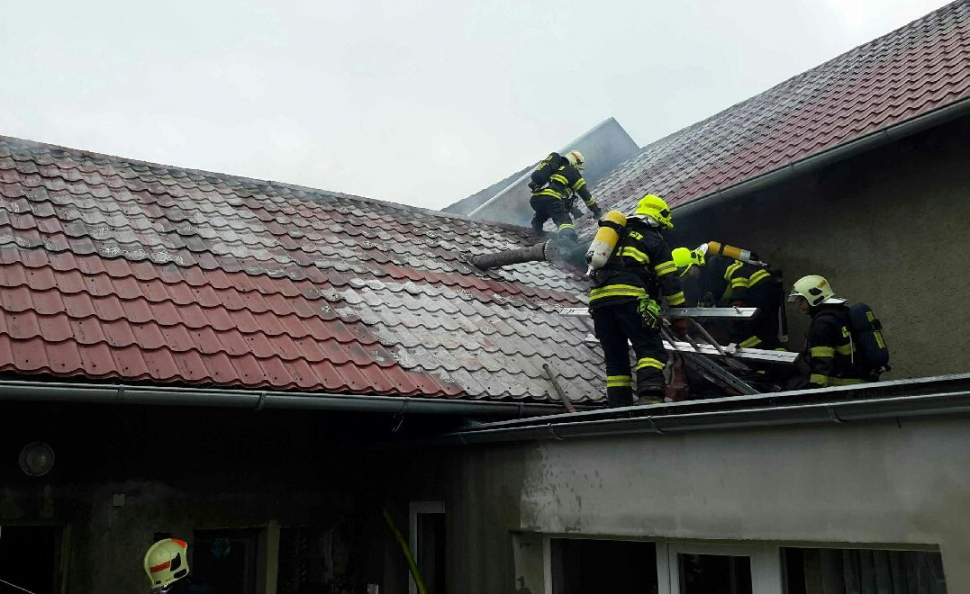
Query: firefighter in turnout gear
{"points": [[555, 183], [722, 281], [625, 304], [830, 351]]}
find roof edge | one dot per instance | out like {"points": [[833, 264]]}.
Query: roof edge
{"points": [[257, 400], [937, 395]]}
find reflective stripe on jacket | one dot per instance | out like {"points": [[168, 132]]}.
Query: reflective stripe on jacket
{"points": [[641, 265]]}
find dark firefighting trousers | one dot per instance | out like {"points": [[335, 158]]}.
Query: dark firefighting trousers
{"points": [[549, 207], [614, 324]]}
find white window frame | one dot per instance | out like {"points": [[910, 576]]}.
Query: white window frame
{"points": [[767, 575], [766, 571], [414, 509]]}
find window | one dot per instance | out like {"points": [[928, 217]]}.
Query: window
{"points": [[426, 529], [713, 568], [825, 571], [305, 559], [582, 566], [226, 560], [30, 558], [714, 574]]}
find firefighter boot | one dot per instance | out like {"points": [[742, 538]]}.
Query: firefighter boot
{"points": [[650, 386]]}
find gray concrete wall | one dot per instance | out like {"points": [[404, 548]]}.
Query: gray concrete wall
{"points": [[892, 483], [886, 228], [605, 147]]}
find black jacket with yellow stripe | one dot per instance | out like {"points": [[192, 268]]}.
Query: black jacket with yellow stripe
{"points": [[641, 264], [727, 280], [829, 350], [564, 181]]}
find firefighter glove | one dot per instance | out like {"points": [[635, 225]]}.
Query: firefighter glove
{"points": [[650, 312], [597, 211], [575, 212], [534, 186]]}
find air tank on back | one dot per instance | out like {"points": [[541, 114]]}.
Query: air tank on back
{"points": [[605, 240]]}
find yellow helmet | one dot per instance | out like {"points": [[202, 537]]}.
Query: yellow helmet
{"points": [[576, 159], [815, 289], [655, 208], [685, 257], [166, 562]]}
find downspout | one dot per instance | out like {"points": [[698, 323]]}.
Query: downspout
{"points": [[843, 151], [257, 400]]}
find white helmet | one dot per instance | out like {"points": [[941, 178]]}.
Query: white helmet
{"points": [[815, 289], [166, 562], [576, 159]]}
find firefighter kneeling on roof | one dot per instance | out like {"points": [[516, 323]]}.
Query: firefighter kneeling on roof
{"points": [[555, 183], [625, 302], [845, 344]]}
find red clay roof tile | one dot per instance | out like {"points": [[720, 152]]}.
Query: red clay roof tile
{"points": [[116, 269]]}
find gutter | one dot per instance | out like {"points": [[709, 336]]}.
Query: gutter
{"points": [[943, 395], [876, 139], [256, 400]]}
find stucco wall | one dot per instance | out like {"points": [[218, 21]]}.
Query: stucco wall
{"points": [[886, 228], [887, 482]]}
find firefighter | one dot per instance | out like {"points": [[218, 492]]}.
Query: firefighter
{"points": [[829, 350], [624, 303], [716, 280], [167, 565], [554, 185]]}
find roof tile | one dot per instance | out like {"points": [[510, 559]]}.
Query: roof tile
{"points": [[909, 72], [116, 269]]}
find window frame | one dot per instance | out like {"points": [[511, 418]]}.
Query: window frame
{"points": [[415, 508], [767, 568]]}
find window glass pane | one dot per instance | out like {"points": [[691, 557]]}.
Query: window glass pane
{"points": [[825, 571], [305, 559], [714, 574], [225, 560], [582, 566], [431, 551]]}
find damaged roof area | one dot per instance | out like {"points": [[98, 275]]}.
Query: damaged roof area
{"points": [[905, 74], [123, 270]]}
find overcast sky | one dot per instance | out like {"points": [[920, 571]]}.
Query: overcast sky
{"points": [[413, 101]]}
